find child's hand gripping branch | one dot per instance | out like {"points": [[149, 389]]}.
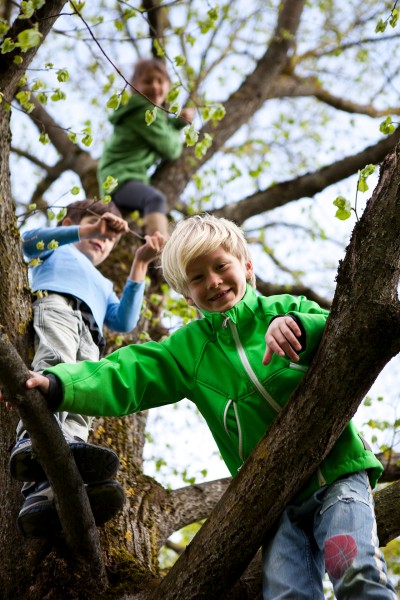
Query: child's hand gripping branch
{"points": [[108, 226], [281, 339], [146, 254]]}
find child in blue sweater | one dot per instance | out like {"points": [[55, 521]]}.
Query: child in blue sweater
{"points": [[74, 301]]}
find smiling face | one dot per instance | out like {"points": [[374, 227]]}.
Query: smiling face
{"points": [[153, 84], [217, 280], [96, 250]]}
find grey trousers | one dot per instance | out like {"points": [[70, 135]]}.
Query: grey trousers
{"points": [[61, 336]]}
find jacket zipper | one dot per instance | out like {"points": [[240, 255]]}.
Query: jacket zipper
{"points": [[296, 367], [249, 370]]}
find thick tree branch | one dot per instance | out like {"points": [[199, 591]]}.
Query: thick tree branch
{"points": [[193, 503], [74, 158], [44, 19], [270, 289], [309, 184], [244, 102], [361, 336], [291, 86], [71, 499]]}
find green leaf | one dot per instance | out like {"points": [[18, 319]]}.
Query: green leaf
{"points": [[380, 26], [61, 214], [29, 38], [172, 94], [151, 116], [110, 184], [387, 126], [87, 139], [42, 97], [53, 245], [44, 138], [4, 26], [191, 135], [114, 101], [362, 185], [73, 137], [159, 49], [218, 113], [8, 46], [58, 95], [18, 59], [344, 208], [203, 146], [75, 190], [179, 60], [63, 75], [27, 9]]}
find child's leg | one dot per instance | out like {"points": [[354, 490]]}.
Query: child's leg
{"points": [[62, 336], [293, 567], [149, 201], [345, 530]]}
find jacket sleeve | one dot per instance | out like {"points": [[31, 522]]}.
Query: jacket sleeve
{"points": [[313, 320], [43, 236], [309, 315], [123, 315], [133, 378]]}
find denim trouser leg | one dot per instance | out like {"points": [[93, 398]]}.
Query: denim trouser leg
{"points": [[61, 336], [335, 529]]}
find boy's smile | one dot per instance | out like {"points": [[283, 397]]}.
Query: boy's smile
{"points": [[217, 280]]}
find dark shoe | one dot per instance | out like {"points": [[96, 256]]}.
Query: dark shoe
{"points": [[38, 516], [95, 463]]}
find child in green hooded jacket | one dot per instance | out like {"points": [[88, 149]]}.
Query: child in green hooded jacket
{"points": [[135, 147], [219, 363]]}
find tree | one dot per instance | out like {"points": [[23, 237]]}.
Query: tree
{"points": [[276, 73]]}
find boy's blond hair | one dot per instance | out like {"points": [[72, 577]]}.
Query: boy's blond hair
{"points": [[194, 237]]}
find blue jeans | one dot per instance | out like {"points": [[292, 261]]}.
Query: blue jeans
{"points": [[334, 530]]}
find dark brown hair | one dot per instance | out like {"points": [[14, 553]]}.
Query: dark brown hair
{"points": [[84, 208], [144, 64]]}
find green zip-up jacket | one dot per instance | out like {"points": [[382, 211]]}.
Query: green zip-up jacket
{"points": [[134, 147], [217, 363]]}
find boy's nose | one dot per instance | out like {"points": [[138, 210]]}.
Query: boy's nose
{"points": [[214, 280]]}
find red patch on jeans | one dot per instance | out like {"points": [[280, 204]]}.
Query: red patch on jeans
{"points": [[339, 552]]}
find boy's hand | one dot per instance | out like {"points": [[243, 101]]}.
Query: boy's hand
{"points": [[108, 226], [39, 381], [36, 380], [145, 255], [152, 248], [281, 339]]}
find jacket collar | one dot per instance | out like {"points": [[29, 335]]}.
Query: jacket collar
{"points": [[242, 312]]}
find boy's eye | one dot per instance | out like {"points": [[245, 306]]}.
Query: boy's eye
{"points": [[222, 266]]}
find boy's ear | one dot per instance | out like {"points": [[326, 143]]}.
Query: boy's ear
{"points": [[189, 300], [249, 269], [67, 222]]}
